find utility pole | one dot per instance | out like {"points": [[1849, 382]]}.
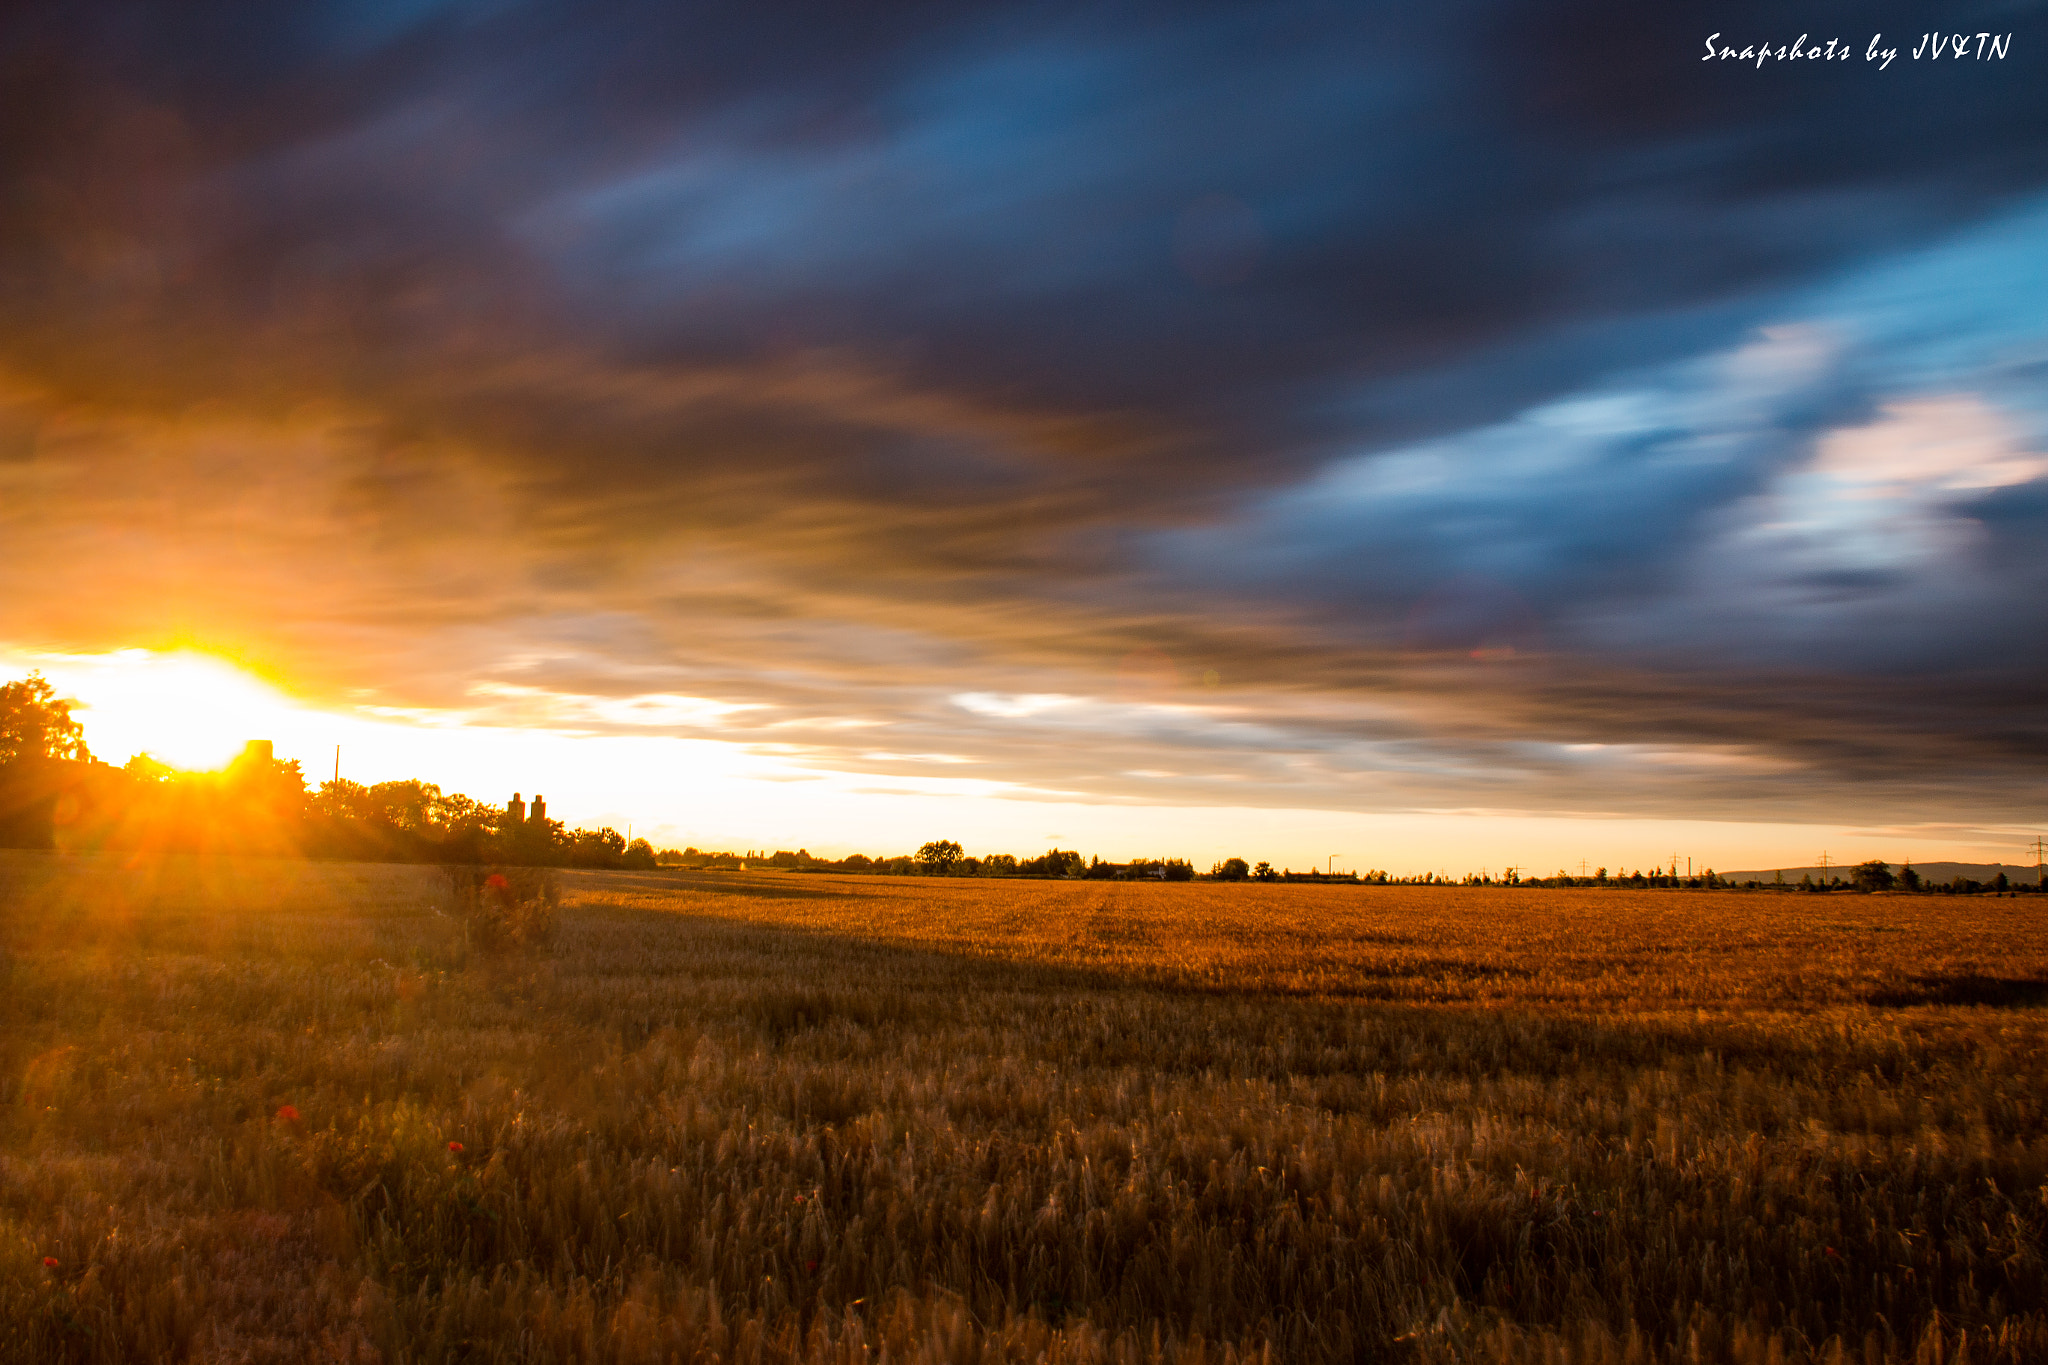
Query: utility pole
{"points": [[1328, 864], [2039, 879], [1823, 866], [1582, 867], [1674, 867], [337, 764]]}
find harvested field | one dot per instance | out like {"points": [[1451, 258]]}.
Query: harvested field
{"points": [[261, 1111]]}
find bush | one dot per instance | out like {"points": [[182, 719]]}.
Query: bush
{"points": [[505, 908]]}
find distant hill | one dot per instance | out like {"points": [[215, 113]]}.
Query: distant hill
{"points": [[1937, 873]]}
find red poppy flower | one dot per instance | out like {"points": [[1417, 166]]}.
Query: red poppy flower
{"points": [[1832, 1252], [288, 1113], [810, 1265], [496, 881], [50, 1261], [454, 1146]]}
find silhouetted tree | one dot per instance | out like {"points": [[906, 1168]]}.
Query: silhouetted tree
{"points": [[1231, 870], [1264, 873], [414, 821], [38, 739], [1874, 875], [264, 801], [938, 856], [35, 724], [596, 848], [1054, 862], [1908, 878]]}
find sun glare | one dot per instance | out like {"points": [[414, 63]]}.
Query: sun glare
{"points": [[185, 709]]}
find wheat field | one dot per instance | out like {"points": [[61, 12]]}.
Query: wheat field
{"points": [[284, 1111]]}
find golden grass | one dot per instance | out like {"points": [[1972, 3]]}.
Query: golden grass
{"points": [[780, 1118]]}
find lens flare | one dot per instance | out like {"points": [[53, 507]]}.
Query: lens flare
{"points": [[186, 709]]}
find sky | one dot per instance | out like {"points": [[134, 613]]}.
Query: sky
{"points": [[1433, 437]]}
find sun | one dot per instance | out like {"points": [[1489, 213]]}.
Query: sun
{"points": [[187, 709]]}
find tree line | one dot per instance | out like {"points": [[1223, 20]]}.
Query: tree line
{"points": [[52, 791], [1873, 875], [943, 858]]}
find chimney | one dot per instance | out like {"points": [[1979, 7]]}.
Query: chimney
{"points": [[540, 808], [515, 810]]}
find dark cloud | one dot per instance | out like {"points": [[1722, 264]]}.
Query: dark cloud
{"points": [[1477, 401]]}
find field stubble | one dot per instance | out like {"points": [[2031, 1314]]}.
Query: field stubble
{"points": [[281, 1111]]}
